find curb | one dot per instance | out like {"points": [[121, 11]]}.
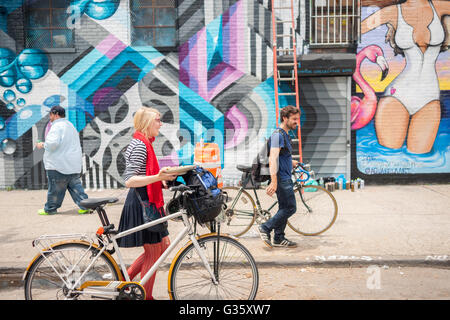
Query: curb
{"points": [[357, 264], [428, 261]]}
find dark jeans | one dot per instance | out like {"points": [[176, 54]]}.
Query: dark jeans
{"points": [[287, 206], [58, 183]]}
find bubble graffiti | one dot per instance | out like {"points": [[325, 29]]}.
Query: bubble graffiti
{"points": [[21, 102], [8, 146], [9, 95], [30, 64], [7, 70]]}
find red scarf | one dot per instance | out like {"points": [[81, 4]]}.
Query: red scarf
{"points": [[154, 190]]}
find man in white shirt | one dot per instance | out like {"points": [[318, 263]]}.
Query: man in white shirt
{"points": [[62, 161]]}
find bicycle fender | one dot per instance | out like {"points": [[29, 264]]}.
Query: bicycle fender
{"points": [[56, 244]]}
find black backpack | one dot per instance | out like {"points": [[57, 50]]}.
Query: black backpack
{"points": [[260, 165], [203, 181], [208, 200]]}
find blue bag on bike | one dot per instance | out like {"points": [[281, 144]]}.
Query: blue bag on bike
{"points": [[208, 200], [203, 178]]}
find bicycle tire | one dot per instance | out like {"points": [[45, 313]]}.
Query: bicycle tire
{"points": [[43, 283], [321, 218], [237, 271], [240, 212]]}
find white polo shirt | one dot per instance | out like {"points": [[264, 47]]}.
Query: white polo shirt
{"points": [[62, 148]]}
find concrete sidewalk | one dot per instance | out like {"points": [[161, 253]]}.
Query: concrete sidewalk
{"points": [[377, 225]]}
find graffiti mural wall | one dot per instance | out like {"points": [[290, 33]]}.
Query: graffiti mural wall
{"points": [[401, 108], [214, 83]]}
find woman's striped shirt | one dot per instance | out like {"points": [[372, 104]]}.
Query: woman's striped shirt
{"points": [[135, 159]]}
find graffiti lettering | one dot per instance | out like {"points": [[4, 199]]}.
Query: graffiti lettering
{"points": [[438, 258], [342, 258], [387, 170], [73, 22]]}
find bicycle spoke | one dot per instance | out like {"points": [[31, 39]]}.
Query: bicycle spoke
{"points": [[316, 211], [240, 214], [236, 274], [71, 261]]}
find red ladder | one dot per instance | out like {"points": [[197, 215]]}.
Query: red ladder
{"points": [[291, 52]]}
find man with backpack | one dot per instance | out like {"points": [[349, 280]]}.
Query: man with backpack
{"points": [[280, 166]]}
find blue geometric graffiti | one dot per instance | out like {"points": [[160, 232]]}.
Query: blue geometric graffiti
{"points": [[200, 120], [80, 111], [20, 122], [98, 67], [105, 66]]}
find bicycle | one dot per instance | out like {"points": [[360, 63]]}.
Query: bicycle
{"points": [[210, 266], [316, 207]]}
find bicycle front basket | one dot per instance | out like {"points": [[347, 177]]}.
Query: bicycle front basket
{"points": [[205, 208]]}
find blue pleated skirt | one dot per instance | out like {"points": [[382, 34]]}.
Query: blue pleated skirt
{"points": [[132, 217]]}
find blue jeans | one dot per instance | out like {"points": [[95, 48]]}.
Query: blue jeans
{"points": [[58, 183], [287, 206]]}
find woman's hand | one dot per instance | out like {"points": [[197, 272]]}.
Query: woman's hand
{"points": [[165, 184], [140, 181], [165, 176]]}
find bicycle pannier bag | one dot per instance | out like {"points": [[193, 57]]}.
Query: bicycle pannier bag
{"points": [[208, 200]]}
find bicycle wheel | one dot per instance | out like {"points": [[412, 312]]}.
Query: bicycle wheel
{"points": [[316, 211], [240, 212], [69, 260], [233, 265]]}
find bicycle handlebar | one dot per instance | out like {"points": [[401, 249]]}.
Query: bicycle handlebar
{"points": [[185, 192], [304, 166], [182, 188], [300, 169]]}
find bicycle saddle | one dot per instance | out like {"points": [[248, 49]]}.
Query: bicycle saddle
{"points": [[93, 203], [244, 168]]}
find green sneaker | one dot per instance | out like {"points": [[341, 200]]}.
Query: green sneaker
{"points": [[81, 211], [42, 212]]}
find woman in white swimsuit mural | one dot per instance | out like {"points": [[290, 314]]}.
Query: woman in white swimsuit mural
{"points": [[410, 108]]}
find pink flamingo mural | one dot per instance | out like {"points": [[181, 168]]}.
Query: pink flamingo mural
{"points": [[363, 110]]}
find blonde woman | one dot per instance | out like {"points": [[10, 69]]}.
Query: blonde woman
{"points": [[145, 180]]}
